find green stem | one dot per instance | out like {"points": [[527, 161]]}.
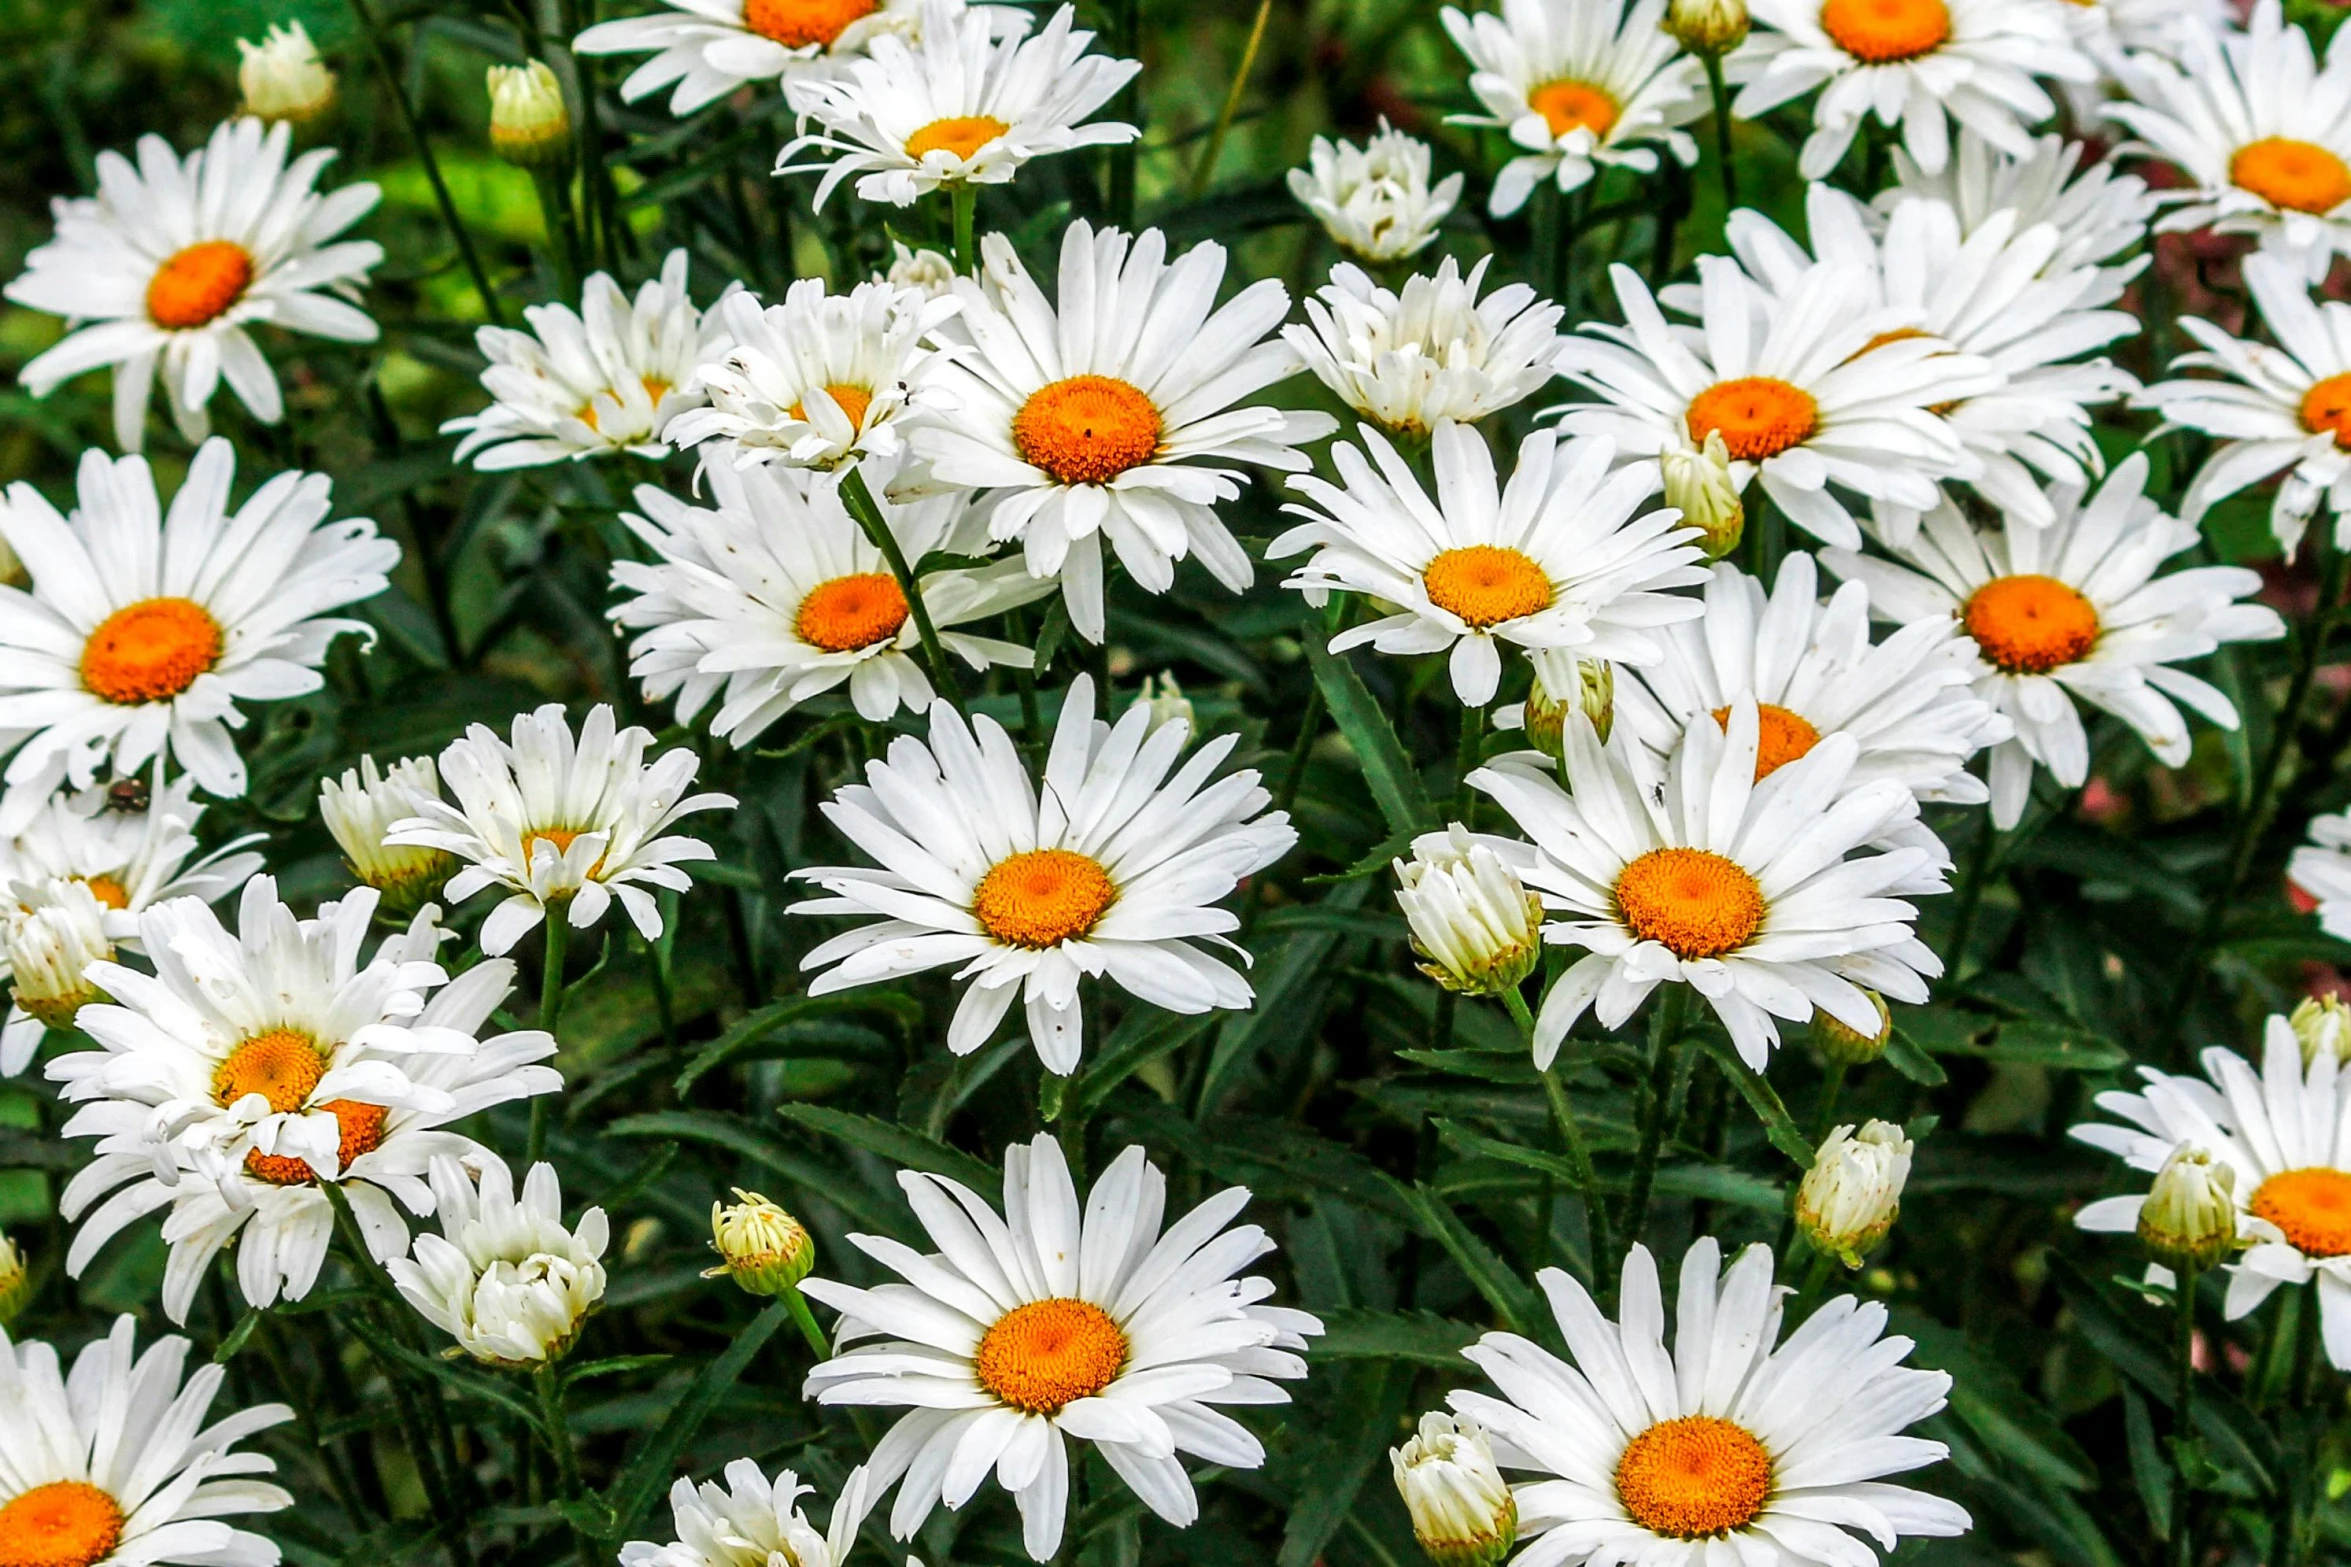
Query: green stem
{"points": [[964, 197], [1127, 41], [1571, 1136], [1665, 1041], [1465, 761], [432, 167], [868, 513], [1722, 132], [2183, 1423], [805, 1321], [1971, 894], [1205, 169], [557, 1431], [554, 188], [1826, 1121], [558, 924]]}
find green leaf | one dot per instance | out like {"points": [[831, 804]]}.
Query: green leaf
{"points": [[1420, 1337], [1995, 1406], [760, 1035], [2149, 1472], [2054, 1043], [1505, 1291], [651, 1468], [1761, 1097], [1912, 1062], [1721, 1183], [901, 1145], [710, 1128], [613, 1366], [1487, 1066], [1395, 784], [1144, 1035], [1349, 1449], [465, 1383], [237, 1336]]}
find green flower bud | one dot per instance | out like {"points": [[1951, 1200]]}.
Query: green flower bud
{"points": [[761, 1247]]}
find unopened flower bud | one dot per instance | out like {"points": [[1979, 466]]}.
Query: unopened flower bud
{"points": [[1462, 1512], [16, 1281], [1699, 484], [1167, 701], [51, 944], [1846, 1047], [1853, 1191], [1563, 683], [2323, 1025], [282, 76], [360, 808], [2189, 1221], [761, 1247], [529, 124], [1707, 26], [925, 270], [1476, 924]]}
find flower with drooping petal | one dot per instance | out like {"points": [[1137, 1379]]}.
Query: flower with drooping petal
{"points": [[505, 1278]]}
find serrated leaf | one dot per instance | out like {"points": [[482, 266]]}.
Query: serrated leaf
{"points": [[761, 1033], [1142, 1037], [1493, 1278], [1394, 782], [1421, 1337], [1996, 1407], [1761, 1097], [903, 1146], [654, 1464], [711, 1128]]}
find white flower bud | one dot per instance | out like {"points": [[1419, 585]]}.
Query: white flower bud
{"points": [[360, 808], [1563, 683], [925, 271], [1699, 484], [1167, 701], [2323, 1025], [2189, 1221], [529, 123], [1375, 200], [1845, 1047], [16, 1281], [1462, 1512], [505, 1279], [1479, 928], [760, 1247], [51, 943], [283, 78], [1853, 1190], [1707, 26]]}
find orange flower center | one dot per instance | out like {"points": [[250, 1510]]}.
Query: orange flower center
{"points": [[962, 135], [1780, 736], [853, 612], [2326, 409], [1694, 903], [282, 1066], [1568, 106], [1757, 415], [2029, 625], [1088, 429], [196, 284], [150, 651], [1485, 585], [2299, 176], [560, 839], [2312, 1208], [66, 1523], [108, 890], [798, 24], [362, 1130], [854, 401], [1048, 1354], [1694, 1478], [1039, 897], [1882, 32]]}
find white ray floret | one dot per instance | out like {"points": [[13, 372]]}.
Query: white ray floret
{"points": [[709, 48], [1375, 200], [505, 1278]]}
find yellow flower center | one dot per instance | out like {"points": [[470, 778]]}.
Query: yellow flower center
{"points": [[1693, 902], [1088, 429], [282, 1066], [1694, 1478], [798, 24], [1040, 897], [362, 1130], [66, 1523], [1485, 584], [1566, 106], [1048, 1354], [2029, 625], [196, 284], [2299, 176], [2311, 1208], [1758, 416], [1883, 32], [852, 612], [560, 839], [2326, 409], [107, 890], [962, 135], [150, 651], [1780, 736], [854, 401]]}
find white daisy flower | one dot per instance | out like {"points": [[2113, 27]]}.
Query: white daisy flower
{"points": [[1375, 200], [1112, 869], [173, 262], [1054, 1322], [2073, 611], [1087, 422], [1809, 385], [1920, 64], [2285, 1132], [1579, 85], [52, 936], [751, 1521], [143, 630], [1556, 558], [562, 823], [1992, 292], [966, 101], [711, 47], [2098, 213], [1907, 703], [362, 807], [1434, 352], [927, 272], [2322, 868], [1749, 891], [251, 1067], [2117, 34], [2282, 409], [775, 596], [114, 1463], [505, 1279], [1730, 1447], [606, 378], [2260, 130], [819, 380]]}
